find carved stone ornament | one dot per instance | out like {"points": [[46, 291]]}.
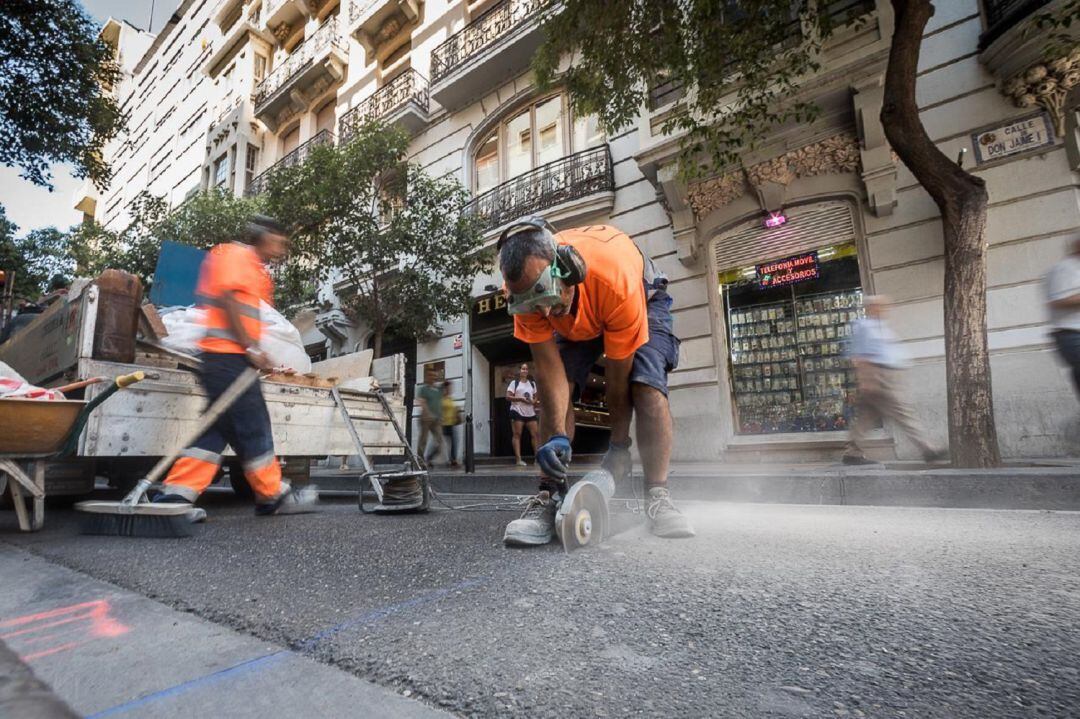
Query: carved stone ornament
{"points": [[835, 154], [389, 29], [283, 32], [1047, 84]]}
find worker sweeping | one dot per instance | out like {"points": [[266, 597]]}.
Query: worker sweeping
{"points": [[233, 281], [576, 296]]}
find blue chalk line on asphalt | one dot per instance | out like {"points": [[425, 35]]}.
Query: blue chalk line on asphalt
{"points": [[249, 666]]}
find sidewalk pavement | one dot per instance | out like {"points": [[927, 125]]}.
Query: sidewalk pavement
{"points": [[110, 652], [1052, 484]]}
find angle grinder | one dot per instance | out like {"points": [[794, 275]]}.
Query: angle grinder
{"points": [[583, 517]]}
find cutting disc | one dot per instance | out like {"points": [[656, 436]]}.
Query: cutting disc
{"points": [[582, 518]]}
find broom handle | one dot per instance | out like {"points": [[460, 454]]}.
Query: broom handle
{"points": [[218, 408]]}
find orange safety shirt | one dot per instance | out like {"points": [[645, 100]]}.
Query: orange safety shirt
{"points": [[237, 268], [610, 301]]}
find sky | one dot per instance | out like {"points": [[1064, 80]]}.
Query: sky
{"points": [[31, 207]]}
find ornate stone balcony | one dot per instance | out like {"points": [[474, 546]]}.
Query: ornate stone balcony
{"points": [[404, 100], [375, 22], [315, 65], [573, 186], [1003, 15], [495, 46], [85, 198], [1016, 53], [296, 157]]}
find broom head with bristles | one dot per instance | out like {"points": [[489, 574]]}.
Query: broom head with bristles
{"points": [[140, 520]]}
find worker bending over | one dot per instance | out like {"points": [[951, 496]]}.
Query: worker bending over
{"points": [[575, 296], [232, 282]]}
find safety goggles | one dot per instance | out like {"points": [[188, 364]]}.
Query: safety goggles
{"points": [[545, 292]]}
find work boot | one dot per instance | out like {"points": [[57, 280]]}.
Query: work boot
{"points": [[664, 519], [194, 514], [290, 501], [536, 525]]}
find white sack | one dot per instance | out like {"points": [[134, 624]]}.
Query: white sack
{"points": [[280, 339]]}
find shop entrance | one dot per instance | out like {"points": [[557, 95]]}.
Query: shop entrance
{"points": [[788, 319], [492, 334]]}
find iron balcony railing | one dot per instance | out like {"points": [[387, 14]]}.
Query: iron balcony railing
{"points": [[409, 86], [296, 157], [480, 34], [360, 7], [326, 36], [570, 178], [841, 12], [1004, 14]]}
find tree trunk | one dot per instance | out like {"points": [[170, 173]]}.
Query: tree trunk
{"points": [[962, 199], [376, 343]]}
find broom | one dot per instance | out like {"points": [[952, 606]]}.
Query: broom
{"points": [[133, 517]]}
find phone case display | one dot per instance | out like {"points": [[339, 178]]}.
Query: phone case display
{"points": [[789, 364]]}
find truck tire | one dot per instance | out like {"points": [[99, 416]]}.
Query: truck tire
{"points": [[123, 474]]}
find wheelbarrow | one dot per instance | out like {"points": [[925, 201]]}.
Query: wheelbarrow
{"points": [[36, 431]]}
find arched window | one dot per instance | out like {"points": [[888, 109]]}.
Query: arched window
{"points": [[532, 136]]}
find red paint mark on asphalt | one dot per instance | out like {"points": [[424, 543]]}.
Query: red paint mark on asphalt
{"points": [[61, 629]]}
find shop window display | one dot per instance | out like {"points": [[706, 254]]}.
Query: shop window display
{"points": [[788, 326]]}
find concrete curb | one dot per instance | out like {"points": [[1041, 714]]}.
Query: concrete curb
{"points": [[24, 696], [1049, 488], [1039, 488]]}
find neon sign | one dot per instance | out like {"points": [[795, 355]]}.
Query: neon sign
{"points": [[788, 271]]}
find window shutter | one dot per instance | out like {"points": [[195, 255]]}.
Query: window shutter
{"points": [[807, 228]]}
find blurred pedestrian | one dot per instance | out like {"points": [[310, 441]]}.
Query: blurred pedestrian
{"points": [[1063, 300], [523, 403], [430, 396], [451, 418], [879, 366]]}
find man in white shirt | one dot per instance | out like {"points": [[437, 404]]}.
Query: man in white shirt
{"points": [[1063, 301], [879, 362]]}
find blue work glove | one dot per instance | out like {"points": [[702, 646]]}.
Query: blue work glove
{"points": [[554, 456], [618, 461]]}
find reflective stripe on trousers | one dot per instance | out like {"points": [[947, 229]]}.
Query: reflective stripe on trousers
{"points": [[245, 426]]}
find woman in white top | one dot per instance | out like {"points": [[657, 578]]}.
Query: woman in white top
{"points": [[523, 403]]}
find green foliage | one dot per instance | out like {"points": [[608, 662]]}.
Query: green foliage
{"points": [[34, 259], [53, 107], [1054, 23], [739, 65], [206, 219], [391, 238]]}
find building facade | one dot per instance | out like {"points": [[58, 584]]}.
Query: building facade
{"points": [[768, 263]]}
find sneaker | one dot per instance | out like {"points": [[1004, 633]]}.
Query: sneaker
{"points": [[290, 501], [165, 498], [536, 525], [521, 463], [664, 519]]}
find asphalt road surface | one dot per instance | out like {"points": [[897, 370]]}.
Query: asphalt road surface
{"points": [[772, 611]]}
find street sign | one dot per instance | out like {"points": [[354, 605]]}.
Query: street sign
{"points": [[1024, 135]]}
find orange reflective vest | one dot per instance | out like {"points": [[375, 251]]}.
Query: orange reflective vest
{"points": [[236, 268]]}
